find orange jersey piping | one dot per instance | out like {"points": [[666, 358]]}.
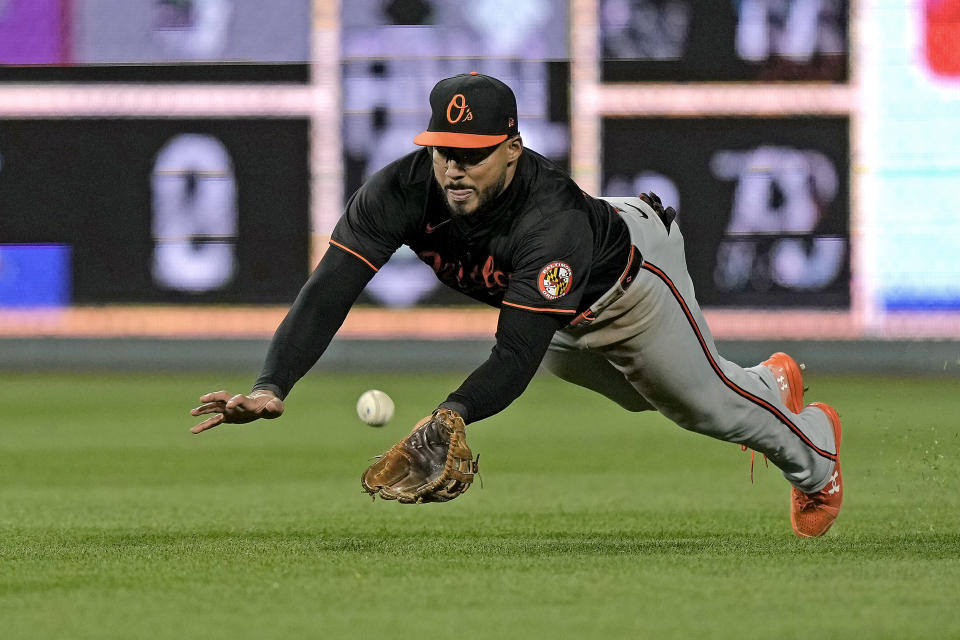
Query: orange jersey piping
{"points": [[520, 306], [354, 253]]}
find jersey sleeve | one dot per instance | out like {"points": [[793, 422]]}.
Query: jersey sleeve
{"points": [[522, 341], [552, 266], [374, 223], [314, 318]]}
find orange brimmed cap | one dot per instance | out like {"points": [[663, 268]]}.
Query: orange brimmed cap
{"points": [[470, 111]]}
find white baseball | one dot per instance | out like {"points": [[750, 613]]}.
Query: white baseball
{"points": [[375, 408]]}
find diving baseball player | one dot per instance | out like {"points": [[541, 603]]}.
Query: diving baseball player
{"points": [[596, 289]]}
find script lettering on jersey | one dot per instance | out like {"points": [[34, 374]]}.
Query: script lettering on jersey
{"points": [[467, 277]]}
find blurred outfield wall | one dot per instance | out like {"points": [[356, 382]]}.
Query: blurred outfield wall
{"points": [[245, 357], [170, 169]]}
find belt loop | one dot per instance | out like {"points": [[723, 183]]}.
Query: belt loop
{"points": [[583, 319], [634, 262]]}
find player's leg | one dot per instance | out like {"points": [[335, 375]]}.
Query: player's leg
{"points": [[657, 337], [593, 371], [691, 384]]}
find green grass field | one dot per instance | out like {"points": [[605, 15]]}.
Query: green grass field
{"points": [[116, 522]]}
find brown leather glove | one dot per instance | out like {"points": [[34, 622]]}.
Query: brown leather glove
{"points": [[432, 464]]}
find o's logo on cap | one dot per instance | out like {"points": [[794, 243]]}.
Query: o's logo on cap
{"points": [[555, 280], [459, 101]]}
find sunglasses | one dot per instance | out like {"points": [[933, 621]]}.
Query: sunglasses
{"points": [[464, 158]]}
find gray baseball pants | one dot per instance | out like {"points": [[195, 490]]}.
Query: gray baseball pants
{"points": [[651, 349]]}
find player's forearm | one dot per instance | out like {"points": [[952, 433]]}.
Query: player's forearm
{"points": [[313, 319], [493, 386], [522, 341]]}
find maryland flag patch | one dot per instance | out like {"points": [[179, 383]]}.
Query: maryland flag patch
{"points": [[555, 280]]}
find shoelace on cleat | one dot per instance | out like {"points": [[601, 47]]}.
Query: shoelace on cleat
{"points": [[804, 501], [753, 455]]}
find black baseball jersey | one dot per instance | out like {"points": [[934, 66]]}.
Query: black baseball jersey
{"points": [[542, 252], [543, 245]]}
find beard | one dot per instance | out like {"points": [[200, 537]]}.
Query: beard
{"points": [[478, 205]]}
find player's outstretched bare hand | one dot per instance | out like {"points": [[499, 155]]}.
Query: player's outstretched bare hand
{"points": [[236, 409]]}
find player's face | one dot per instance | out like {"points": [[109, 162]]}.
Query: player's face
{"points": [[472, 178]]}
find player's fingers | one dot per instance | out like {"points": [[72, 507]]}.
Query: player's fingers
{"points": [[270, 408], [274, 406], [210, 407], [209, 423], [215, 396], [238, 400]]}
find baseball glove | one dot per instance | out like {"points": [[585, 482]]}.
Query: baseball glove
{"points": [[432, 464]]}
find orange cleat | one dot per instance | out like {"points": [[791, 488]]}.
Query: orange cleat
{"points": [[811, 514], [789, 379]]}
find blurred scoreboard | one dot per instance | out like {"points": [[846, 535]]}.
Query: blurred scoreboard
{"points": [[762, 183], [218, 209], [733, 41], [750, 116], [155, 40], [764, 202], [161, 210]]}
